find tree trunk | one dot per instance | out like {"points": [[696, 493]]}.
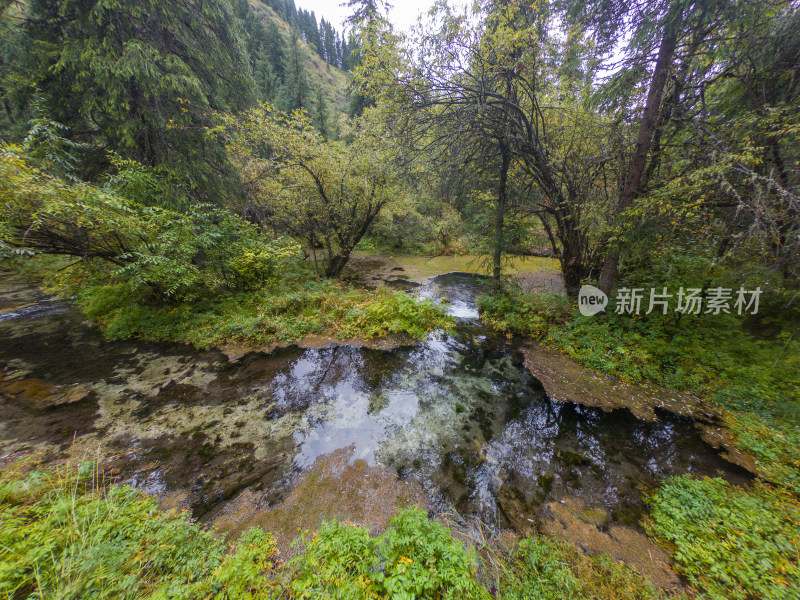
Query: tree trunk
{"points": [[499, 223], [336, 264], [646, 127], [572, 272]]}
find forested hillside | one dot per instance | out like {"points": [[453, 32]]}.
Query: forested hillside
{"points": [[324, 52], [568, 232]]}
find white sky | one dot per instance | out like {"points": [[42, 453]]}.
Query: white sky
{"points": [[403, 14]]}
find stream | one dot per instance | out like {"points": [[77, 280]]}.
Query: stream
{"points": [[458, 414]]}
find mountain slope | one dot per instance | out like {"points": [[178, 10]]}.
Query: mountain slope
{"points": [[330, 79]]}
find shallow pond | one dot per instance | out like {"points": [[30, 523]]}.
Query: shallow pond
{"points": [[458, 414]]}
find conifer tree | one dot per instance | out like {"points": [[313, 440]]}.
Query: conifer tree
{"points": [[143, 78], [295, 91]]}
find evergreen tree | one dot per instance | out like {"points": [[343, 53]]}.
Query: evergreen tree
{"points": [[295, 90], [320, 117], [142, 77], [330, 45], [365, 10], [275, 48]]}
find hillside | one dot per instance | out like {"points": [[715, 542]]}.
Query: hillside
{"points": [[332, 80]]}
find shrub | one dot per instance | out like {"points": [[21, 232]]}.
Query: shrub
{"points": [[389, 312], [729, 543], [415, 559], [159, 253], [515, 312], [420, 559]]}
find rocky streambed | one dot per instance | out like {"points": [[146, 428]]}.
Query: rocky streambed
{"points": [[468, 421]]}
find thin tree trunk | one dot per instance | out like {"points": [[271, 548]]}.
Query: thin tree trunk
{"points": [[336, 264], [499, 223], [312, 242], [643, 141]]}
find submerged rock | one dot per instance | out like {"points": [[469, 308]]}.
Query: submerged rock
{"points": [[335, 487], [590, 530], [566, 380]]}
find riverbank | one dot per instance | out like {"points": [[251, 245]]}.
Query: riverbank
{"points": [[153, 554], [310, 312], [739, 380], [458, 418]]}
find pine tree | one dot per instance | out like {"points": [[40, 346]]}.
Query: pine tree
{"points": [[275, 48], [143, 77], [365, 10], [295, 90], [320, 117], [330, 46]]}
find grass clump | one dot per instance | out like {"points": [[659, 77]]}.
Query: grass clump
{"points": [[541, 568], [729, 543], [280, 314], [65, 534]]}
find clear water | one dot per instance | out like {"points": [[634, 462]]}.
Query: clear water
{"points": [[458, 413]]}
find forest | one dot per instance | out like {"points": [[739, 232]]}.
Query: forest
{"points": [[216, 174]]}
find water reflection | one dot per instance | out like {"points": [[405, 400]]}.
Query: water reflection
{"points": [[459, 414]]}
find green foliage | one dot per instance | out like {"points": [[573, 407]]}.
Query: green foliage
{"points": [[542, 572], [159, 253], [541, 568], [394, 313], [338, 563], [415, 559], [147, 91], [202, 276], [325, 193], [49, 149], [283, 312], [421, 559], [729, 543], [515, 312], [63, 534]]}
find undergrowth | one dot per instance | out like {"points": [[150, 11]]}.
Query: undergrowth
{"points": [[282, 313], [730, 543], [65, 533], [285, 311]]}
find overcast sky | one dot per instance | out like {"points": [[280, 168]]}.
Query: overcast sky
{"points": [[403, 15]]}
